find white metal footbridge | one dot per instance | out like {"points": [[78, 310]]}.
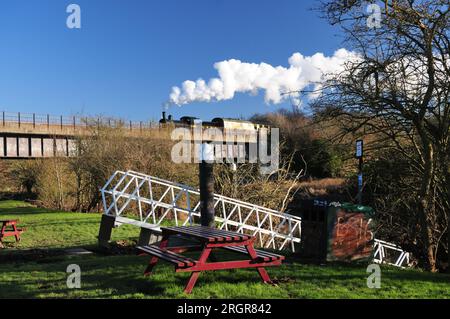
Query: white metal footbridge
{"points": [[147, 201], [391, 254]]}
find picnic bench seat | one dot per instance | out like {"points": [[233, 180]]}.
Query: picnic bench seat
{"points": [[180, 261], [262, 255], [13, 231], [210, 238]]}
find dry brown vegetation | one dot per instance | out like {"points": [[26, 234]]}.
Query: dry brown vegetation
{"points": [[322, 187], [73, 183]]}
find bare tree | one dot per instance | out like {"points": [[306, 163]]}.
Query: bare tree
{"points": [[398, 89]]}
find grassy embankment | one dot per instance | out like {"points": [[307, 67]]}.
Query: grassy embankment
{"points": [[36, 268]]}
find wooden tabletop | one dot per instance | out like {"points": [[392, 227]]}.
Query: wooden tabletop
{"points": [[205, 233]]}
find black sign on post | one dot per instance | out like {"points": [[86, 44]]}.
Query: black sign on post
{"points": [[359, 149], [359, 156]]}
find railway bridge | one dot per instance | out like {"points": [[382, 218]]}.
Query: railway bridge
{"points": [[32, 135]]}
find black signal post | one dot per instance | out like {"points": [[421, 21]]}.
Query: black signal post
{"points": [[206, 176], [359, 156]]}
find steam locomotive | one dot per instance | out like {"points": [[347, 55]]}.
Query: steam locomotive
{"points": [[218, 122]]}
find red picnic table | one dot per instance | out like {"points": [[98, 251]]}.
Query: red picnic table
{"points": [[209, 238], [13, 231]]}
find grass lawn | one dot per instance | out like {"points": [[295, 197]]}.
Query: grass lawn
{"points": [[36, 268]]}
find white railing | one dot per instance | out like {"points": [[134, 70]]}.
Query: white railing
{"points": [[390, 254], [148, 201]]}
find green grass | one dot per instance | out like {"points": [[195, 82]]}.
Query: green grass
{"points": [[120, 276], [54, 229]]}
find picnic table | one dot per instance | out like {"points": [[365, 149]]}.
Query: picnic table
{"points": [[209, 239], [13, 231]]}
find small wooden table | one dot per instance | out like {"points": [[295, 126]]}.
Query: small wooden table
{"points": [[209, 238], [13, 231]]}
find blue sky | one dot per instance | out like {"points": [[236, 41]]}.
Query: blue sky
{"points": [[127, 56]]}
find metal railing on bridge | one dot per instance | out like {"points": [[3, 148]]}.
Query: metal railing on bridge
{"points": [[55, 123], [148, 201]]}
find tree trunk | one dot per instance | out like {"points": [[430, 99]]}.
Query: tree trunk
{"points": [[426, 205], [444, 167], [429, 241], [447, 184]]}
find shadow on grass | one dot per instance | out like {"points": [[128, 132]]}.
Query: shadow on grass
{"points": [[122, 276], [92, 286], [79, 222], [408, 275], [26, 210], [31, 255]]}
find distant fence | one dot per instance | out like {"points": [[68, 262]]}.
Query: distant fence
{"points": [[19, 120]]}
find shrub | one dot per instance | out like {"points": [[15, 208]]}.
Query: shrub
{"points": [[300, 137], [23, 175]]}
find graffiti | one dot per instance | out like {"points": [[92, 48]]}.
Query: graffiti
{"points": [[351, 236]]}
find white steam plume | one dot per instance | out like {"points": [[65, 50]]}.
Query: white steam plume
{"points": [[241, 77]]}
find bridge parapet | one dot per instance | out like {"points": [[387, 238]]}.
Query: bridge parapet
{"points": [[32, 135], [33, 123]]}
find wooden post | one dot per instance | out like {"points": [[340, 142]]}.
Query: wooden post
{"points": [[104, 233], [48, 121], [3, 118], [18, 114], [61, 120], [34, 120]]}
